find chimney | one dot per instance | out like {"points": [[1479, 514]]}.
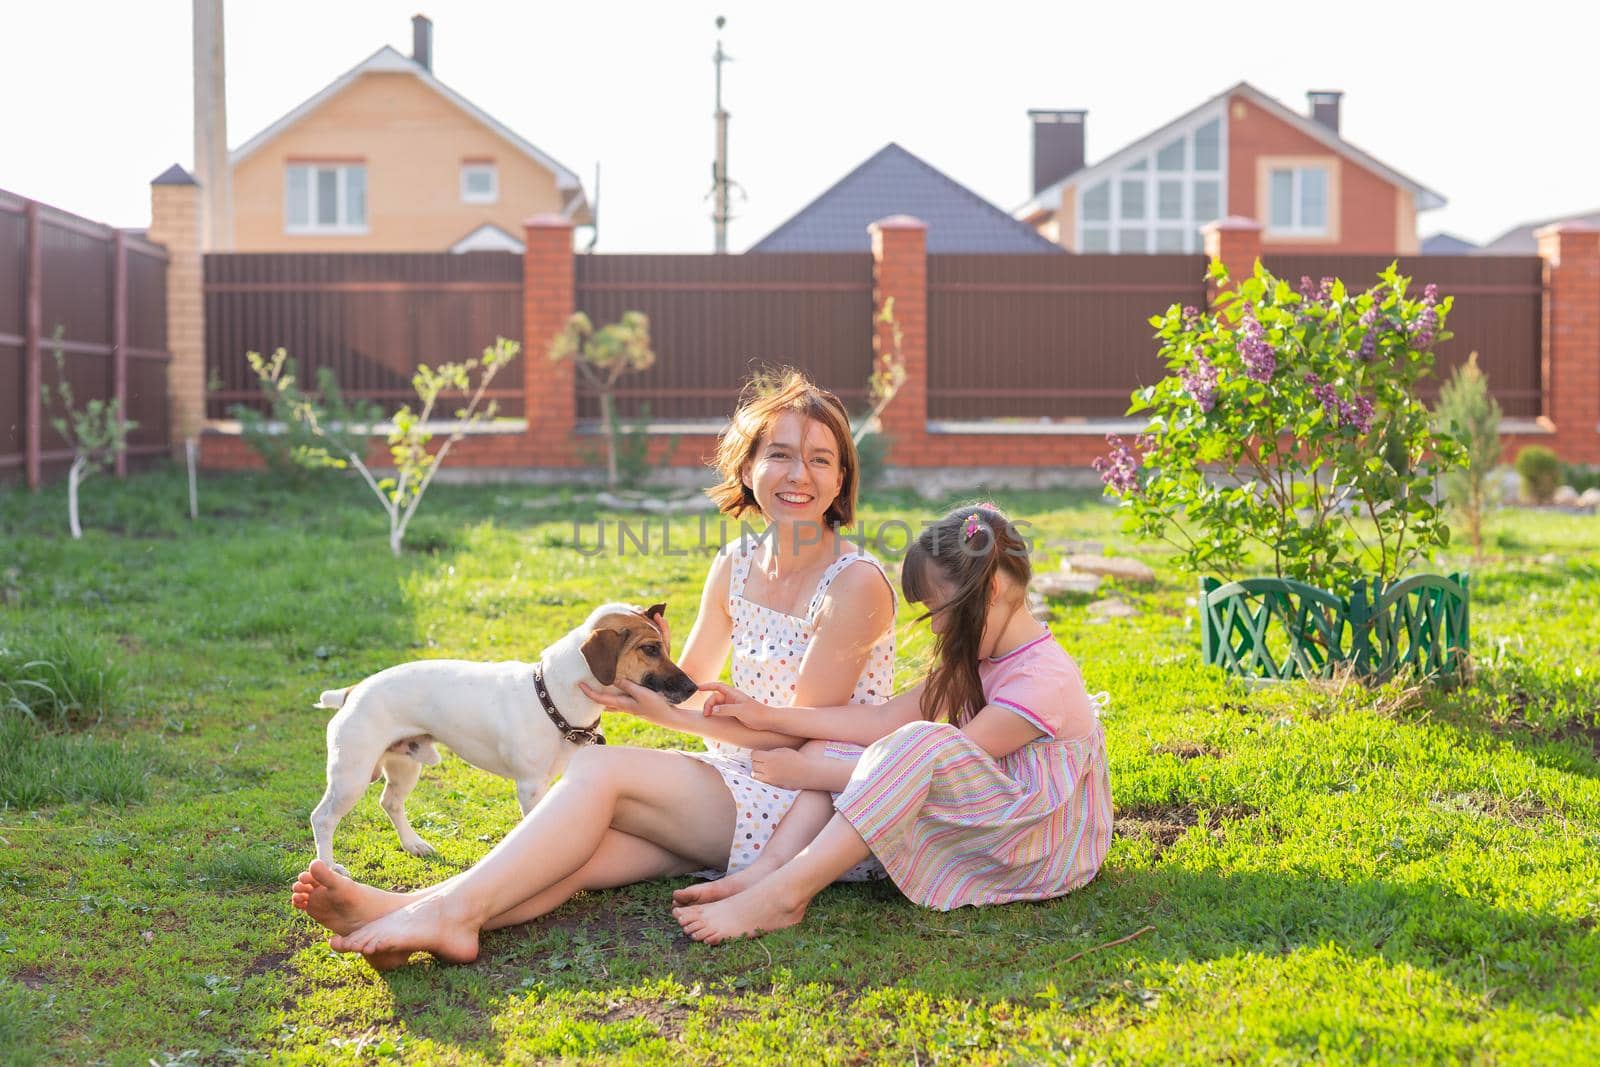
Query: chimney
{"points": [[1325, 107], [211, 168], [422, 40], [1057, 145]]}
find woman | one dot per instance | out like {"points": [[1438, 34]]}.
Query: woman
{"points": [[809, 621]]}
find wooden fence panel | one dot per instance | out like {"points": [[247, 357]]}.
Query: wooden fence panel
{"points": [[1048, 337], [370, 317], [63, 291], [1498, 314], [715, 319]]}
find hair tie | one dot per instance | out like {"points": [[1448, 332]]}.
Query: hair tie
{"points": [[973, 525]]}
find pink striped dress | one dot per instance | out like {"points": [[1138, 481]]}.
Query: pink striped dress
{"points": [[953, 826]]}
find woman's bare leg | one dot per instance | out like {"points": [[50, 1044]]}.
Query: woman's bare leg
{"points": [[643, 792], [805, 819], [343, 904], [780, 899]]}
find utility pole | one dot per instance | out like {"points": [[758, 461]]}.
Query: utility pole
{"points": [[719, 167]]}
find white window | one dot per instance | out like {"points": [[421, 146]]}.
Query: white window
{"points": [[480, 183], [326, 198], [1157, 198], [1298, 200]]}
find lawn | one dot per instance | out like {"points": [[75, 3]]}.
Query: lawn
{"points": [[1319, 873]]}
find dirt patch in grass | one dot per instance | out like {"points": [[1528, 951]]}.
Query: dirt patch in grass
{"points": [[33, 978], [1164, 824], [1185, 750]]}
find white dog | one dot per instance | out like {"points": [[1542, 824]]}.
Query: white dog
{"points": [[519, 720]]}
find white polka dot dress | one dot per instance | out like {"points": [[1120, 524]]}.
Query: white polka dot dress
{"points": [[768, 646]]}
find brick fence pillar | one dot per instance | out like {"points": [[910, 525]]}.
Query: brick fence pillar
{"points": [[175, 223], [548, 301], [900, 273], [1571, 356], [1236, 242]]}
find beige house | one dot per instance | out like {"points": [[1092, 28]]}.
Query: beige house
{"points": [[389, 158]]}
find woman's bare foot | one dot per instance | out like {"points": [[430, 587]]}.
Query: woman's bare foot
{"points": [[748, 914], [341, 903], [724, 887], [430, 924]]}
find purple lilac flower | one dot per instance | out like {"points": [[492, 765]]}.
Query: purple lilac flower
{"points": [[1326, 287], [1357, 413], [1119, 470], [1427, 324], [1260, 361], [1308, 292], [1369, 343], [1201, 383], [1326, 395]]}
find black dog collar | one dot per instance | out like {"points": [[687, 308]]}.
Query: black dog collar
{"points": [[578, 735]]}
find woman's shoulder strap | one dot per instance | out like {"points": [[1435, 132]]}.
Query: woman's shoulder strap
{"points": [[838, 567]]}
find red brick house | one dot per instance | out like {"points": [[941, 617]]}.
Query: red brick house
{"points": [[1240, 153]]}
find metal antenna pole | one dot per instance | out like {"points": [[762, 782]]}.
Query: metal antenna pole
{"points": [[719, 167]]}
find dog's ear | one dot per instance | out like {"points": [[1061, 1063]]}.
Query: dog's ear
{"points": [[654, 610], [601, 649]]}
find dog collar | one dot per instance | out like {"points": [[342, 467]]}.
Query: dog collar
{"points": [[578, 735]]}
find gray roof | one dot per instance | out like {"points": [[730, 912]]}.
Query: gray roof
{"points": [[895, 182], [1447, 244], [1518, 241]]}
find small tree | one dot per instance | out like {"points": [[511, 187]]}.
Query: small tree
{"points": [[602, 357], [97, 433], [1472, 416], [341, 445], [888, 372]]}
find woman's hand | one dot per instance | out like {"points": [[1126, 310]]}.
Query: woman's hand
{"points": [[632, 698], [666, 632], [786, 768], [724, 701]]}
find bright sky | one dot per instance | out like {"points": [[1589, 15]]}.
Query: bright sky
{"points": [[1490, 111]]}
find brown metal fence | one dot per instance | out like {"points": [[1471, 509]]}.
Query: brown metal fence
{"points": [[1032, 337], [371, 318], [1498, 313], [713, 319], [98, 296]]}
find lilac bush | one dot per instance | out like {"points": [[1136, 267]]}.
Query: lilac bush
{"points": [[1290, 423]]}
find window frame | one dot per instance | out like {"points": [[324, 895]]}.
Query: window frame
{"points": [[1297, 230], [342, 169], [1142, 167], [472, 166]]}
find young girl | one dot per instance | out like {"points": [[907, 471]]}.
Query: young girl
{"points": [[986, 783]]}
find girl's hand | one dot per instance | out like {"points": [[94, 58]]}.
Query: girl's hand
{"points": [[786, 768], [724, 701], [632, 698]]}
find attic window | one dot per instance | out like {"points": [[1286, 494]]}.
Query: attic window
{"points": [[480, 184], [326, 198]]}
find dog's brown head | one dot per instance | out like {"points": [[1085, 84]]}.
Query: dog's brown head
{"points": [[626, 644]]}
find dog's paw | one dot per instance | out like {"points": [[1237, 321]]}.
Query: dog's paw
{"points": [[417, 847], [339, 868]]}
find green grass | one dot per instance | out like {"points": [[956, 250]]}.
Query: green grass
{"points": [[1328, 874]]}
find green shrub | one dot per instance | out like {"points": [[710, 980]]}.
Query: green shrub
{"points": [[43, 768], [1289, 422], [58, 679], [1580, 477], [1540, 471]]}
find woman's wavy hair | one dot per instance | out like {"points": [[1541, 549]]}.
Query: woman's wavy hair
{"points": [[763, 400], [968, 548]]}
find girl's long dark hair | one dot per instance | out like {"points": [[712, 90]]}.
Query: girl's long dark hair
{"points": [[967, 547]]}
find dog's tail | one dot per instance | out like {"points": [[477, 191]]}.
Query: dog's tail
{"points": [[333, 699]]}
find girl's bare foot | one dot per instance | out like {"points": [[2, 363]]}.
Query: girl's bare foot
{"points": [[341, 903], [724, 887], [748, 914], [430, 924]]}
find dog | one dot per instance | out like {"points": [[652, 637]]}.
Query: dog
{"points": [[518, 720]]}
